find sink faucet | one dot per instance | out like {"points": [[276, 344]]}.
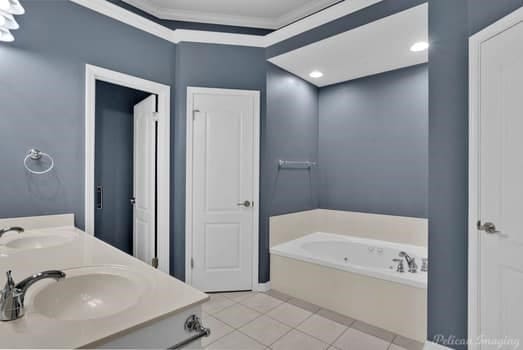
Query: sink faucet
{"points": [[9, 229], [413, 267], [12, 296]]}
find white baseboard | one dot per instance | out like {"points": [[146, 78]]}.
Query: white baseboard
{"points": [[262, 287], [433, 346]]}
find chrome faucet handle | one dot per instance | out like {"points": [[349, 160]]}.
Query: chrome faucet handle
{"points": [[399, 268], [424, 264], [413, 267], [9, 229]]}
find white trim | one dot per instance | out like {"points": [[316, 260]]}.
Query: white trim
{"points": [[92, 74], [189, 179], [262, 287], [200, 36], [181, 35], [230, 19], [330, 14], [203, 16], [475, 42], [120, 14]]}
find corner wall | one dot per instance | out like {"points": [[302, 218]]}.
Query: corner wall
{"points": [[450, 24], [291, 133], [43, 93], [373, 146], [213, 66]]}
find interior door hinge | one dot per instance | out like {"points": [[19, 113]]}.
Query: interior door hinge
{"points": [[194, 113], [192, 263]]}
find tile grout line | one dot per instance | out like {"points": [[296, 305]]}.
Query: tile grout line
{"points": [[282, 302]]}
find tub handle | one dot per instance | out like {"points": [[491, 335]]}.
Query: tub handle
{"points": [[399, 268]]}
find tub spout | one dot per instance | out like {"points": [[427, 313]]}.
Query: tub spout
{"points": [[411, 262]]}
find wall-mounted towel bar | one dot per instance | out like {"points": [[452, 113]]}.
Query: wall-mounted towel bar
{"points": [[291, 164]]}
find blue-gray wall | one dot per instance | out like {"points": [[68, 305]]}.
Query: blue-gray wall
{"points": [[373, 146], [291, 130], [42, 99], [450, 24], [114, 162], [216, 66]]}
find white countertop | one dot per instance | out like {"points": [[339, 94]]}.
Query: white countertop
{"points": [[165, 296]]}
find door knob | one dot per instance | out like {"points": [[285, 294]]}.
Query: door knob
{"points": [[488, 227], [245, 204], [132, 200]]}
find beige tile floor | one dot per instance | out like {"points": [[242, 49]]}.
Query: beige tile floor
{"points": [[247, 320]]}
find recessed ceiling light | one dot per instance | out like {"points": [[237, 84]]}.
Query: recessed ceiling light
{"points": [[419, 46], [316, 74]]}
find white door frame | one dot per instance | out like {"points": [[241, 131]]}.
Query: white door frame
{"points": [[475, 42], [189, 181], [92, 74]]}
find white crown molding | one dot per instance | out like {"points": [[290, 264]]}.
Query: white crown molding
{"points": [[200, 36], [330, 14], [302, 12], [182, 35], [224, 19], [116, 12], [203, 17]]}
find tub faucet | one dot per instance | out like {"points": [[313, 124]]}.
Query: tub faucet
{"points": [[12, 296], [413, 267], [9, 229]]}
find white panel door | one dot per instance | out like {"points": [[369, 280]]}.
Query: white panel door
{"points": [[501, 186], [144, 180], [223, 185]]}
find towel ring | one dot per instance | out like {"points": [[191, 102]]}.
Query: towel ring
{"points": [[35, 154]]}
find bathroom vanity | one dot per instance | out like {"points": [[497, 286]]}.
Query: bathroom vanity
{"points": [[107, 299]]}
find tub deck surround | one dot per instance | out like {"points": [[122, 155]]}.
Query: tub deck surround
{"points": [[164, 295], [309, 264], [398, 229], [362, 256], [395, 307]]}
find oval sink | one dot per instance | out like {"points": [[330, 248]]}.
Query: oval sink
{"points": [[37, 242], [89, 293]]}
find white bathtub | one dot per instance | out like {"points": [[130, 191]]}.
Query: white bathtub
{"points": [[361, 256]]}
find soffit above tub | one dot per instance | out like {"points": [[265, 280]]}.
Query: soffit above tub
{"points": [[269, 14], [377, 47]]}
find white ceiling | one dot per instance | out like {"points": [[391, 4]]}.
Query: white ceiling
{"points": [[270, 14], [374, 48]]}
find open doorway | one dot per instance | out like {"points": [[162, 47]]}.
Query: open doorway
{"points": [[117, 176], [127, 164]]}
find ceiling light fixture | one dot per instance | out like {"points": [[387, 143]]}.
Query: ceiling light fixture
{"points": [[8, 21], [8, 8], [419, 46], [6, 36], [316, 74], [12, 6], [5, 5]]}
